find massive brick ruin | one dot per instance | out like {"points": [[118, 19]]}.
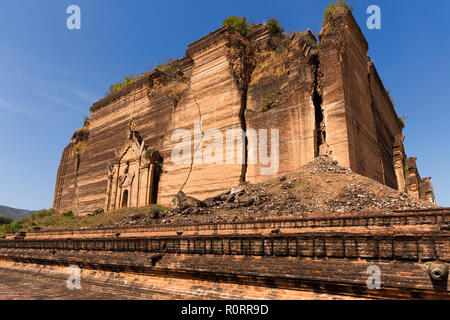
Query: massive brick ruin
{"points": [[324, 97]]}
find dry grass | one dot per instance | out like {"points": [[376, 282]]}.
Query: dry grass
{"points": [[271, 65], [172, 89], [80, 147], [241, 55]]}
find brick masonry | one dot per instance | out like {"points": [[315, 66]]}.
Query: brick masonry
{"points": [[332, 82], [303, 257]]}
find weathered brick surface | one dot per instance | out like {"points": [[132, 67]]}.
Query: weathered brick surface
{"points": [[403, 222], [31, 281], [329, 261], [361, 120], [335, 81]]}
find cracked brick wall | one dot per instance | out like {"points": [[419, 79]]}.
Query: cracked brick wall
{"points": [[331, 101]]}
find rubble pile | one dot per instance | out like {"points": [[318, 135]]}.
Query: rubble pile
{"points": [[321, 187], [243, 196], [356, 198], [325, 164]]}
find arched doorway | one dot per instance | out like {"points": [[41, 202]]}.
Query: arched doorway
{"points": [[124, 199]]}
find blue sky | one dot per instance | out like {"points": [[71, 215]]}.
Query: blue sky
{"points": [[50, 76]]}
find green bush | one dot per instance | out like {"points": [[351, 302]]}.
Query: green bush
{"points": [[12, 227], [332, 7], [274, 27], [43, 213], [238, 24], [167, 65], [68, 214], [161, 208], [128, 80], [5, 220], [51, 222], [267, 103]]}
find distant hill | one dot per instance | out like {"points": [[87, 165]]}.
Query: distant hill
{"points": [[15, 214]]}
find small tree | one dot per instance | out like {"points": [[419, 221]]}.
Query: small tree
{"points": [[68, 214], [5, 220], [267, 103], [238, 24], [128, 80], [332, 7], [274, 27], [167, 65]]}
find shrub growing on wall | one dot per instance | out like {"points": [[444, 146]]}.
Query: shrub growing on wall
{"points": [[238, 24], [274, 27], [267, 103], [128, 80], [332, 7], [167, 66]]}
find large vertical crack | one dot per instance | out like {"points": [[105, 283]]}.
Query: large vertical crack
{"points": [[244, 167], [320, 144], [171, 75], [241, 56]]}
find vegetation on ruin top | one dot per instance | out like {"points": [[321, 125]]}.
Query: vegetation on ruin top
{"points": [[164, 67], [399, 118], [238, 24], [271, 65], [332, 7], [402, 120], [167, 66], [122, 84], [172, 84], [274, 27]]}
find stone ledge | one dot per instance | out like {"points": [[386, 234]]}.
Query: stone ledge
{"points": [[427, 246], [410, 218], [400, 279]]}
